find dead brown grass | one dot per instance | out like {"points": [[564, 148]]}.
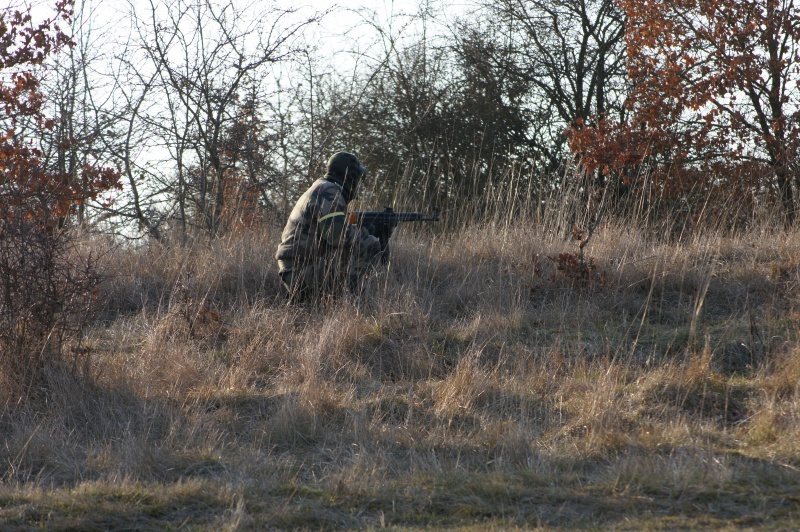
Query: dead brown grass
{"points": [[477, 386]]}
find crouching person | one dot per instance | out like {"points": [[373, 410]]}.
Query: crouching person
{"points": [[320, 253]]}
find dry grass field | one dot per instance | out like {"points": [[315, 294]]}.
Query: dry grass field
{"points": [[478, 386]]}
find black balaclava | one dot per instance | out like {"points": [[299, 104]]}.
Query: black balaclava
{"points": [[344, 169]]}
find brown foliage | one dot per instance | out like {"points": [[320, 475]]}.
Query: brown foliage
{"points": [[44, 289], [575, 267], [713, 91]]}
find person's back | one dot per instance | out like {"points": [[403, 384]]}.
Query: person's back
{"points": [[301, 238]]}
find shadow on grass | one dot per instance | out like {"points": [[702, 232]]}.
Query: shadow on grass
{"points": [[104, 458]]}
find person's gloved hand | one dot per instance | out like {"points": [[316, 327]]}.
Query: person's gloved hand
{"points": [[369, 243], [375, 230]]}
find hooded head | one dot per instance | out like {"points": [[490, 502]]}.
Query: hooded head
{"points": [[345, 170]]}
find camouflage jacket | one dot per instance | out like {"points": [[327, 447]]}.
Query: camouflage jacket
{"points": [[317, 224]]}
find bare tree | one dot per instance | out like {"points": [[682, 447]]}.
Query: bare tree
{"points": [[206, 57], [75, 143], [435, 114], [571, 53]]}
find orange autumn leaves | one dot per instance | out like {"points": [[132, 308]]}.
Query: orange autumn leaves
{"points": [[714, 95], [29, 189]]}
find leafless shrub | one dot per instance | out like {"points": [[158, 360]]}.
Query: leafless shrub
{"points": [[48, 287]]}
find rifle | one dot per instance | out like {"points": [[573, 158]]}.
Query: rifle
{"points": [[382, 223]]}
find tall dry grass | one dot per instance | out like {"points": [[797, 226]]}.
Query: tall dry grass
{"points": [[478, 384]]}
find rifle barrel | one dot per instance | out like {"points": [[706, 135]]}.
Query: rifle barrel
{"points": [[391, 217]]}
